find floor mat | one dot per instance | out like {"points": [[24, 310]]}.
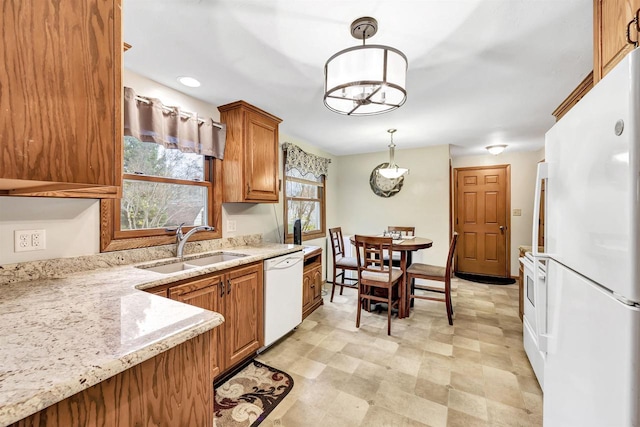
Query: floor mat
{"points": [[245, 399], [490, 280]]}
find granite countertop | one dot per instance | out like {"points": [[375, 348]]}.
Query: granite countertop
{"points": [[61, 335]]}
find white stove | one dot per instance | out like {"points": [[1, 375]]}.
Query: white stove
{"points": [[534, 321]]}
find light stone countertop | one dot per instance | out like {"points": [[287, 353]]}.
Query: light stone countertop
{"points": [[61, 335]]}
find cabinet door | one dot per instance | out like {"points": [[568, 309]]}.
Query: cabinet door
{"points": [[61, 128], [316, 279], [207, 294], [244, 331], [261, 158], [307, 290], [610, 27]]}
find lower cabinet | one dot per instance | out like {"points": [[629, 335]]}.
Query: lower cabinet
{"points": [[312, 281], [237, 294]]}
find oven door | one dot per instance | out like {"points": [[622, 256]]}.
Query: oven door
{"points": [[534, 298]]}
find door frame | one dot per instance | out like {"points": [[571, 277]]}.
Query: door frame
{"points": [[507, 168]]}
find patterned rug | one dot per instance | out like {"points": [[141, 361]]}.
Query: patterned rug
{"points": [[246, 399]]}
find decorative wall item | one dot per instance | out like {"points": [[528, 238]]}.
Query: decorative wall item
{"points": [[384, 187]]}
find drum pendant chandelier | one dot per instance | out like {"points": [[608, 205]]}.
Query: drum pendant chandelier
{"points": [[365, 80]]}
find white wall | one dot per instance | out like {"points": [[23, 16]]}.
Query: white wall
{"points": [[72, 225], [523, 179], [423, 201]]}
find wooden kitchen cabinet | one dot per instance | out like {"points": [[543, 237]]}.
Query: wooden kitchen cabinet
{"points": [[208, 294], [170, 389], [250, 166], [237, 294], [61, 97], [312, 281], [610, 19]]}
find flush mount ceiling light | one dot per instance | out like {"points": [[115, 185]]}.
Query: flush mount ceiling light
{"points": [[365, 80], [496, 149], [392, 171], [189, 81]]}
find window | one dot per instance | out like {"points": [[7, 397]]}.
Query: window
{"points": [[171, 176], [162, 187], [304, 192]]}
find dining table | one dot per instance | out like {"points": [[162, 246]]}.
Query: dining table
{"points": [[406, 245]]}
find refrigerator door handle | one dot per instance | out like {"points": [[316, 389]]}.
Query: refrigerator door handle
{"points": [[542, 173]]}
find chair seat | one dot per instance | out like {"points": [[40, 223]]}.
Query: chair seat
{"points": [[426, 270], [396, 273], [347, 261]]}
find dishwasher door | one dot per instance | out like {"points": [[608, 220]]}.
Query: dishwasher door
{"points": [[282, 295]]}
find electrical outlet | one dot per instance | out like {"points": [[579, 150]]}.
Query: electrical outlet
{"points": [[231, 225], [29, 240]]}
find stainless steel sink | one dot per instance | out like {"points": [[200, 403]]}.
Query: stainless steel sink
{"points": [[172, 267], [214, 259], [175, 266]]}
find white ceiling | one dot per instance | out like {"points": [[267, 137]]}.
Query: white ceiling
{"points": [[480, 71]]}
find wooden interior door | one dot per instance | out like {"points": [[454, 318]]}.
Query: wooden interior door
{"points": [[482, 220]]}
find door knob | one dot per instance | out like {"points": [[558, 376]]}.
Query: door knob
{"points": [[502, 228]]}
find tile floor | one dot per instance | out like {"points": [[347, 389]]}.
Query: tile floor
{"points": [[426, 373]]}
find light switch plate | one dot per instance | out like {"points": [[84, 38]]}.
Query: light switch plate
{"points": [[517, 212]]}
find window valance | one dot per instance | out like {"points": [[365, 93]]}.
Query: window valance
{"points": [[304, 162], [150, 121]]}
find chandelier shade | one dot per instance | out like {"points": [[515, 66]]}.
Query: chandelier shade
{"points": [[392, 170], [365, 80]]}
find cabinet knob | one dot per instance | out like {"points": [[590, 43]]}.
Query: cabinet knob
{"points": [[228, 286]]}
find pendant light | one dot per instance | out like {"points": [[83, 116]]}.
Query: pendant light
{"points": [[392, 171], [365, 80]]}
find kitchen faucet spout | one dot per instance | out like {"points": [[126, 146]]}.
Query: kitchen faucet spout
{"points": [[182, 238]]}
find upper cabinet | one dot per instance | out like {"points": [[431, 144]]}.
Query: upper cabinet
{"points": [[60, 97], [250, 165], [610, 19]]}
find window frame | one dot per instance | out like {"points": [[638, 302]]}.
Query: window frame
{"points": [[322, 189], [112, 238]]}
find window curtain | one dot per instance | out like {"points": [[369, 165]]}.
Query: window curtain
{"points": [[304, 162], [150, 121]]}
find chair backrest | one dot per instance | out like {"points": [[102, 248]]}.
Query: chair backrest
{"points": [[404, 231], [337, 244], [371, 255], [452, 250]]}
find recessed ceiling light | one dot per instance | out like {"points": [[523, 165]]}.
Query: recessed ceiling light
{"points": [[189, 81]]}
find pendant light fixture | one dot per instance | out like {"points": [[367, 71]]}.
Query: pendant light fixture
{"points": [[392, 171], [365, 80]]}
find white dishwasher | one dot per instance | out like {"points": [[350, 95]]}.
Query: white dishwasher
{"points": [[282, 295]]}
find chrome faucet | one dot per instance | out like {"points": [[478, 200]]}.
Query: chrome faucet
{"points": [[182, 238]]}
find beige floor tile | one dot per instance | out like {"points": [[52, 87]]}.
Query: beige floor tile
{"points": [[467, 383], [427, 373], [466, 343], [344, 363], [381, 417], [364, 388], [460, 419], [426, 412], [470, 404], [307, 368], [434, 392], [501, 415], [349, 407], [302, 415]]}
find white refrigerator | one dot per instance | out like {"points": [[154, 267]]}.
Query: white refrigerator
{"points": [[591, 312]]}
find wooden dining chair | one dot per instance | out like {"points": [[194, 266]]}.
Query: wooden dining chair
{"points": [[434, 273], [342, 262], [375, 274], [404, 231]]}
